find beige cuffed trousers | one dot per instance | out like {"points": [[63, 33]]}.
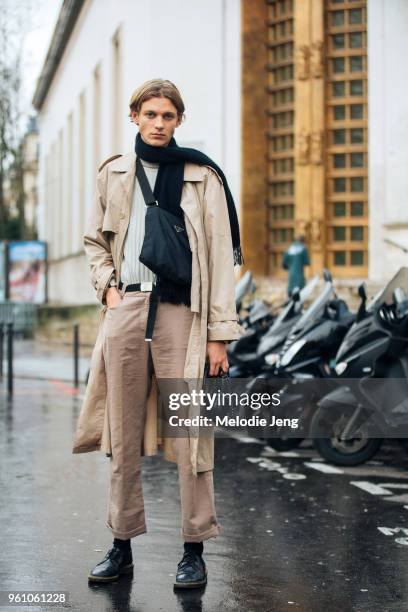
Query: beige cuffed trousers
{"points": [[129, 363]]}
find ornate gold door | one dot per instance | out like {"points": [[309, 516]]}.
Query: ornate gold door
{"points": [[314, 129]]}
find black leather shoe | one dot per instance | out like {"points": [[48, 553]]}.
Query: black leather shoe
{"points": [[191, 571], [115, 563]]}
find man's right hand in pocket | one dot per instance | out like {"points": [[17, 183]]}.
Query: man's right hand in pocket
{"points": [[113, 297]]}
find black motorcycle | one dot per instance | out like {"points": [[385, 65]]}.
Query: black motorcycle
{"points": [[289, 333], [351, 422], [247, 356], [307, 355]]}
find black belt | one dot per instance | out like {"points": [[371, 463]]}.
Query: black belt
{"points": [[153, 303]]}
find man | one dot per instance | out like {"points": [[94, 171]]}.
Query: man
{"points": [[294, 260], [192, 324]]}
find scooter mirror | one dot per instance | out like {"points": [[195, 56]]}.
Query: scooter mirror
{"points": [[362, 309], [362, 292], [327, 276], [295, 295]]}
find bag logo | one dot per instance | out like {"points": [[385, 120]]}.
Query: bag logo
{"points": [[179, 229]]}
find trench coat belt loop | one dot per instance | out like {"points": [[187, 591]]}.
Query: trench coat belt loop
{"points": [[153, 303]]}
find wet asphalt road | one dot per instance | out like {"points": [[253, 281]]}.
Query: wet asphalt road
{"points": [[293, 537]]}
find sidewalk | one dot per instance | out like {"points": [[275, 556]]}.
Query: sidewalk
{"points": [[294, 534], [53, 513], [44, 360]]}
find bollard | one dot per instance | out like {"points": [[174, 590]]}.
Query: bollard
{"points": [[10, 358], [76, 354], [1, 348]]}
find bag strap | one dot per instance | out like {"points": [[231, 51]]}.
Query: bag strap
{"points": [[147, 192]]}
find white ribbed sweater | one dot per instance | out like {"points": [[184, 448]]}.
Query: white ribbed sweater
{"points": [[132, 270]]}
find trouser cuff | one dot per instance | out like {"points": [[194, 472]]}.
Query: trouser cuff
{"points": [[213, 532], [126, 535]]}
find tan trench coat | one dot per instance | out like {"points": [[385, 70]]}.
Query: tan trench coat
{"points": [[212, 293]]}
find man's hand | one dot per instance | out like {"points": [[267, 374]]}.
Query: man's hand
{"points": [[217, 357], [113, 297]]}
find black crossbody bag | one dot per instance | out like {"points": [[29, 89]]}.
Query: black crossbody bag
{"points": [[166, 249]]}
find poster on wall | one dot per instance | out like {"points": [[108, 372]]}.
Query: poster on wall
{"points": [[27, 271], [3, 274]]}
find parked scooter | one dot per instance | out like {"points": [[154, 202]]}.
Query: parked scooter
{"points": [[314, 340], [307, 355], [258, 313], [247, 355], [280, 338], [259, 316], [376, 347], [256, 322]]}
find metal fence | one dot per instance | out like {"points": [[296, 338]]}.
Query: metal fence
{"points": [[23, 316]]}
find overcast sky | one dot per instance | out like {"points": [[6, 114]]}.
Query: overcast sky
{"points": [[36, 45]]}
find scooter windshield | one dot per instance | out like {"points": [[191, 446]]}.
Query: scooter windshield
{"points": [[400, 280], [307, 291], [315, 308], [304, 294], [243, 286]]}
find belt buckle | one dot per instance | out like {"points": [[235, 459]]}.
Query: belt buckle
{"points": [[146, 286]]}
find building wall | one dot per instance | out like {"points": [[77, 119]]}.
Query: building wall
{"points": [[30, 152], [84, 117], [388, 135]]}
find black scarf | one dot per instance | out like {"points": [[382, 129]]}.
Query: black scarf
{"points": [[169, 182], [167, 190]]}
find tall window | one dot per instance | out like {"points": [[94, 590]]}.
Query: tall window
{"points": [[116, 92], [346, 152], [96, 118], [69, 176], [53, 201], [280, 130], [61, 182], [81, 168], [47, 198]]}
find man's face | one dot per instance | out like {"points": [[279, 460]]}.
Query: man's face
{"points": [[157, 121]]}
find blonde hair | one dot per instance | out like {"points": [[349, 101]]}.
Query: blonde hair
{"points": [[156, 88]]}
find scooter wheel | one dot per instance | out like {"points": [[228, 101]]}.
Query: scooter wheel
{"points": [[352, 451], [337, 453], [281, 444]]}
